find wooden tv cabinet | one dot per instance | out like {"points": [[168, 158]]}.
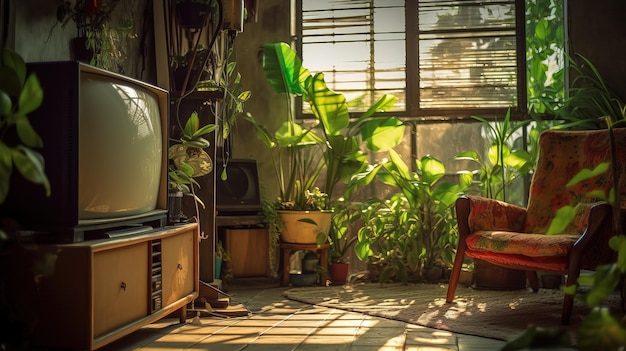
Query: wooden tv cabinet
{"points": [[103, 290]]}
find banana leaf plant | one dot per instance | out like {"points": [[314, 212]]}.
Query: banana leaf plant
{"points": [[335, 135]]}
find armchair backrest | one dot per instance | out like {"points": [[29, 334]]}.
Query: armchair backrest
{"points": [[563, 155]]}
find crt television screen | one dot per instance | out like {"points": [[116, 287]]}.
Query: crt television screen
{"points": [[119, 148]]}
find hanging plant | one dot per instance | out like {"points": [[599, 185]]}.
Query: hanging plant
{"points": [[98, 42]]}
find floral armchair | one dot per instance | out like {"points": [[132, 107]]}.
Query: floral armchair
{"points": [[568, 221]]}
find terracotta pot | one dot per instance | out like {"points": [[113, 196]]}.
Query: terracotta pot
{"points": [[338, 273], [298, 229]]}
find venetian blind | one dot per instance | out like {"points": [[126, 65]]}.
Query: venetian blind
{"points": [[433, 55]]}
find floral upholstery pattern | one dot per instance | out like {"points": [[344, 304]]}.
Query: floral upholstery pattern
{"points": [[499, 228], [568, 221]]}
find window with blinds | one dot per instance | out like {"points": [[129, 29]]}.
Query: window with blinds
{"points": [[436, 56]]}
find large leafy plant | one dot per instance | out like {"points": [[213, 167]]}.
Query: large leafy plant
{"points": [[332, 144], [414, 229], [20, 94]]}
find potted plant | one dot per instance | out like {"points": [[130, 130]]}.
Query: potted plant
{"points": [[188, 160], [330, 145], [342, 239], [411, 234], [97, 41]]}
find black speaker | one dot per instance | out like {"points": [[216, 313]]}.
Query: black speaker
{"points": [[239, 194]]}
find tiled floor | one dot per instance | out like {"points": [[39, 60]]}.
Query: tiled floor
{"points": [[275, 323]]}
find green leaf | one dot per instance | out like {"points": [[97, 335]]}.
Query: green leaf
{"points": [[564, 216], [15, 62], [432, 169], [362, 250], [31, 96], [6, 106], [26, 133], [605, 280], [197, 142], [205, 130], [283, 69], [192, 125], [618, 244], [399, 164], [587, 173], [601, 331], [383, 134], [6, 167], [542, 29], [30, 164], [468, 155], [385, 103], [329, 107], [244, 96]]}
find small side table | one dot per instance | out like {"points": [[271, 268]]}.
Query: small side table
{"points": [[321, 250]]}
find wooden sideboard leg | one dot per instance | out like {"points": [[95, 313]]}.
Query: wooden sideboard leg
{"points": [[182, 314]]}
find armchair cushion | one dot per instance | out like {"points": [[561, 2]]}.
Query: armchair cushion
{"points": [[531, 245]]}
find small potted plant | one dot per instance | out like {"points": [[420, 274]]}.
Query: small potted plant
{"points": [[188, 160], [97, 41]]}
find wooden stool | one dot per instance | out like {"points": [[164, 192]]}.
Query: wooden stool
{"points": [[321, 251]]}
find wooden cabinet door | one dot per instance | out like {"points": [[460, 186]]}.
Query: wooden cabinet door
{"points": [[178, 266], [120, 286]]}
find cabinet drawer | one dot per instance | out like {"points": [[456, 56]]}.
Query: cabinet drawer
{"points": [[121, 287], [178, 266]]}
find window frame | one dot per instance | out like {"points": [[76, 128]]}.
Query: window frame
{"points": [[413, 111]]}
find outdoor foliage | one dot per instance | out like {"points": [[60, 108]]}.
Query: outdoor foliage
{"points": [[545, 67]]}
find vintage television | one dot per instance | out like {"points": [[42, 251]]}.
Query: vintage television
{"points": [[105, 151], [239, 194]]}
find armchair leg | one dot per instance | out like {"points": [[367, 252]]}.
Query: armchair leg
{"points": [[568, 300], [456, 272]]}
